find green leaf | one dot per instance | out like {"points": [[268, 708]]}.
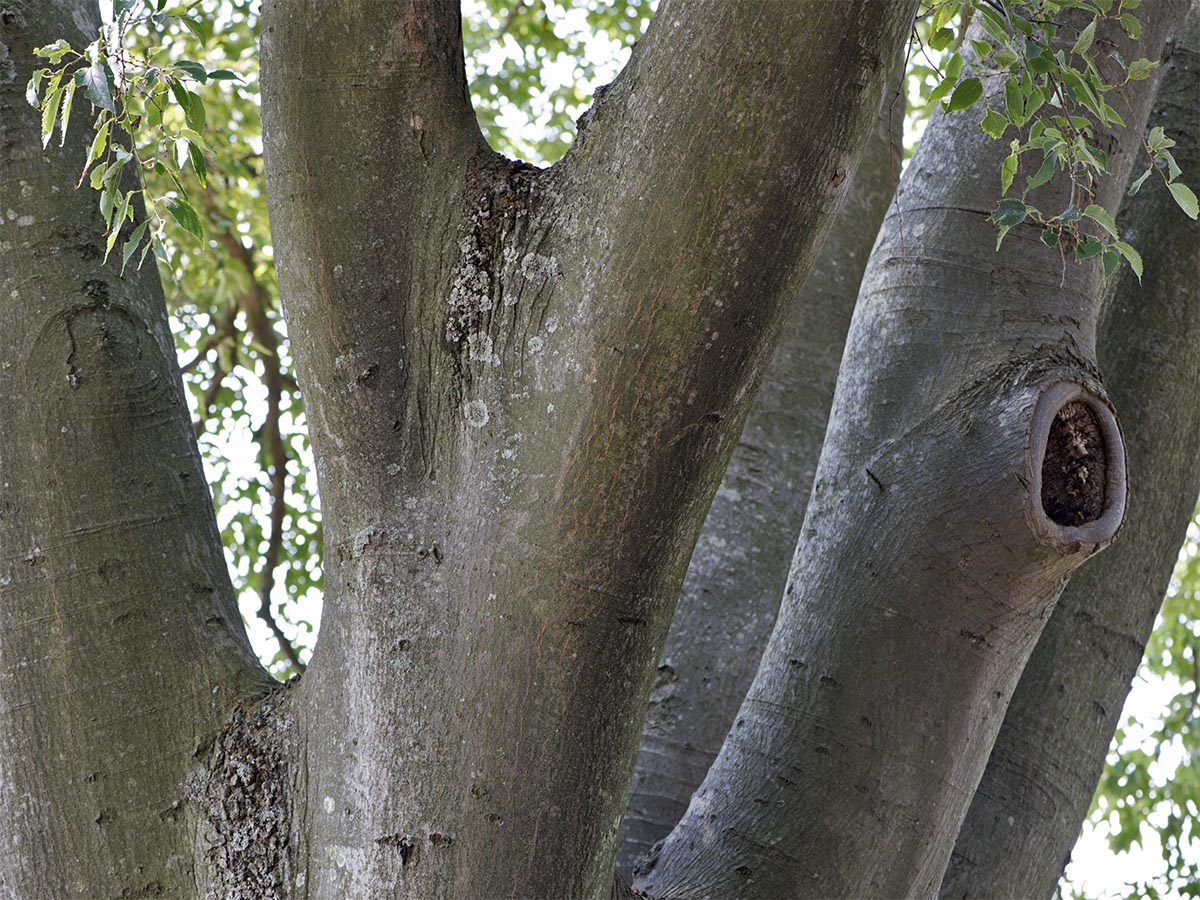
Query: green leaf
{"points": [[132, 244], [1070, 214], [31, 89], [1008, 172], [54, 52], [992, 24], [1084, 42], [50, 115], [1049, 237], [1185, 197], [982, 48], [967, 93], [68, 99], [1087, 248], [1111, 260], [1101, 216], [1158, 139], [1010, 212], [196, 155], [1043, 174], [941, 39], [1132, 26], [1139, 69], [1137, 185], [114, 228], [224, 75], [181, 211], [95, 80], [193, 69], [1135, 258], [994, 124], [1014, 102]]}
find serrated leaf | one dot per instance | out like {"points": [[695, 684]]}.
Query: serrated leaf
{"points": [[50, 115], [1087, 248], [68, 99], [95, 81], [193, 69], [1009, 212], [1101, 216], [994, 124], [132, 244], [1014, 102], [992, 24], [1137, 185], [1132, 26], [31, 89], [53, 52], [966, 94], [197, 157], [1185, 197], [1044, 173], [1135, 258], [114, 228], [1083, 43], [982, 48], [181, 211], [1139, 69], [1110, 260], [1049, 237], [1008, 171]]}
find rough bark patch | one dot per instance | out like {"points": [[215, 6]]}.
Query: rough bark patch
{"points": [[246, 804], [1074, 480]]}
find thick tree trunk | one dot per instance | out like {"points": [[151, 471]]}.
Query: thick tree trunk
{"points": [[930, 555], [522, 387], [121, 646], [739, 568], [1050, 751]]}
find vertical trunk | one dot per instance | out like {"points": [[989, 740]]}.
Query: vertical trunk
{"points": [[121, 647], [1050, 751], [931, 550], [521, 386], [739, 567]]}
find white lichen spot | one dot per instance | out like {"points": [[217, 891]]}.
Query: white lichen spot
{"points": [[394, 469], [25, 221], [509, 454], [363, 539], [552, 324], [536, 346], [549, 408], [338, 271], [410, 503], [536, 267], [479, 347], [328, 804], [476, 413]]}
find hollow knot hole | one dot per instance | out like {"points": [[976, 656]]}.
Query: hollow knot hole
{"points": [[1074, 476]]}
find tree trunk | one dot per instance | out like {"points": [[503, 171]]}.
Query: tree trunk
{"points": [[522, 386], [930, 554], [121, 646], [739, 568], [1050, 751]]}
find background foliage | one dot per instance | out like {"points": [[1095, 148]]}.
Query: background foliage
{"points": [[163, 70]]}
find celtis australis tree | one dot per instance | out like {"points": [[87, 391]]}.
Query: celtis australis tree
{"points": [[523, 386]]}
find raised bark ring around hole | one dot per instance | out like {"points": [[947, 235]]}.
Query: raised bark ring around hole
{"points": [[1075, 447]]}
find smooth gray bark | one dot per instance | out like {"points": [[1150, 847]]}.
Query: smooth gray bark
{"points": [[739, 568], [522, 387], [121, 646], [927, 563], [1050, 752]]}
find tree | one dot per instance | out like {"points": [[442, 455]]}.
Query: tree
{"points": [[523, 386]]}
